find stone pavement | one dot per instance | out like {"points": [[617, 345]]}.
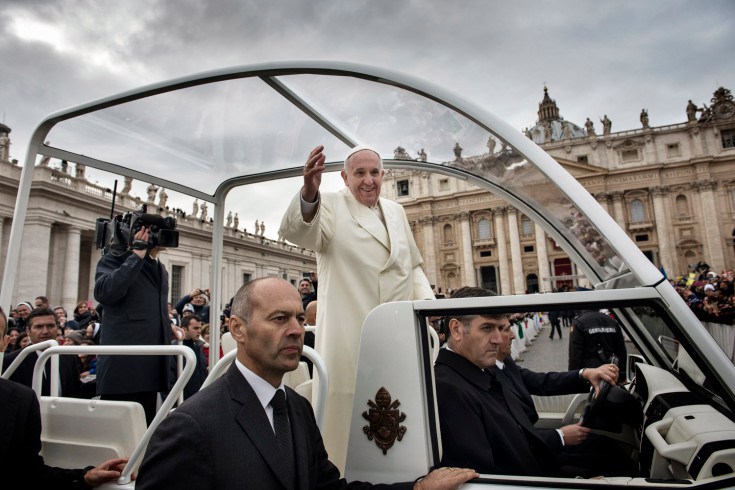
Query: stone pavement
{"points": [[544, 354]]}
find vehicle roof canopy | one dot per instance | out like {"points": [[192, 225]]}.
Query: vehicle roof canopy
{"points": [[204, 134]]}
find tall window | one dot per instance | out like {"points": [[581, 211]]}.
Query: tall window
{"points": [[526, 226], [483, 229], [246, 278], [177, 278], [448, 235], [402, 188], [682, 206], [728, 138], [637, 211]]}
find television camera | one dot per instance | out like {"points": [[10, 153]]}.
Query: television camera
{"points": [[117, 234]]}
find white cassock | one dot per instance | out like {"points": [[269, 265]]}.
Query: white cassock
{"points": [[361, 263]]}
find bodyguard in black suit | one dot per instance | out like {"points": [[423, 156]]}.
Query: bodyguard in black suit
{"points": [[230, 435], [43, 325], [482, 425], [133, 289]]}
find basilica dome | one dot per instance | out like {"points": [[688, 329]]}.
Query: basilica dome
{"points": [[550, 125]]}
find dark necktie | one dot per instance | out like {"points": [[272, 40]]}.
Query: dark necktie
{"points": [[283, 434]]}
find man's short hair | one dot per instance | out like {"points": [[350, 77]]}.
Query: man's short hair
{"points": [[43, 299], [468, 292], [40, 312], [188, 319], [242, 303]]}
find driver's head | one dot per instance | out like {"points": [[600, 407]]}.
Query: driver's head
{"points": [[477, 338]]}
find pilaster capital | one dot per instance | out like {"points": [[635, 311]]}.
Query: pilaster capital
{"points": [[601, 196], [705, 185], [499, 212], [464, 216], [617, 195], [659, 191], [427, 220]]}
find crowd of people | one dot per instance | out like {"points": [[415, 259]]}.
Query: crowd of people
{"points": [[85, 328], [711, 296]]}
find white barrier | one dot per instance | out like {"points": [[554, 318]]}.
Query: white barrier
{"points": [[724, 335]]}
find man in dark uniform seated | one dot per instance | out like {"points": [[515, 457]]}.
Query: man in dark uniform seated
{"points": [[483, 426]]}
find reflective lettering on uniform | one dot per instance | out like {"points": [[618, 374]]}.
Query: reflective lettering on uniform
{"points": [[601, 330]]}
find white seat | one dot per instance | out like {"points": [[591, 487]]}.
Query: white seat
{"points": [[305, 389], [228, 343], [77, 433], [298, 376]]}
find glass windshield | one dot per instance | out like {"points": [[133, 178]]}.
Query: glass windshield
{"points": [[251, 125]]}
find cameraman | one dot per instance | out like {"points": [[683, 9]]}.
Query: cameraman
{"points": [[133, 287], [198, 300]]}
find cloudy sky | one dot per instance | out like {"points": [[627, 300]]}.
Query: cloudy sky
{"points": [[596, 57]]}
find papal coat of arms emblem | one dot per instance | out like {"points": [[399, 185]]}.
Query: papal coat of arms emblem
{"points": [[384, 419]]}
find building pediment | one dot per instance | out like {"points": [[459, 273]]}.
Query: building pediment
{"points": [[579, 170]]}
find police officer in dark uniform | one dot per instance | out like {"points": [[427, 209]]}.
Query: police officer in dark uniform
{"points": [[595, 337]]}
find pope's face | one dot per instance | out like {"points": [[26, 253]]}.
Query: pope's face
{"points": [[363, 175]]}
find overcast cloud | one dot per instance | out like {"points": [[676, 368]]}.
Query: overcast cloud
{"points": [[597, 58]]}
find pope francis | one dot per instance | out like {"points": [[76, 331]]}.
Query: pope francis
{"points": [[366, 256]]}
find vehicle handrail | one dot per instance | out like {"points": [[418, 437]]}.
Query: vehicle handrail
{"points": [[124, 350], [321, 369], [435, 343], [25, 353]]}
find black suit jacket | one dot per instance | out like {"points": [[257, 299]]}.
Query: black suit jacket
{"points": [[69, 371], [221, 438], [20, 443], [522, 383], [481, 426], [133, 292]]}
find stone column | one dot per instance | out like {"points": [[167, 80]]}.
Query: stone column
{"points": [[499, 214], [429, 251], [470, 275], [519, 281], [542, 256], [33, 268], [618, 210], [603, 199], [663, 233], [711, 221], [70, 279], [2, 253]]}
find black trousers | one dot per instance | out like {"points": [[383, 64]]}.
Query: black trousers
{"points": [[555, 325], [148, 399]]}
